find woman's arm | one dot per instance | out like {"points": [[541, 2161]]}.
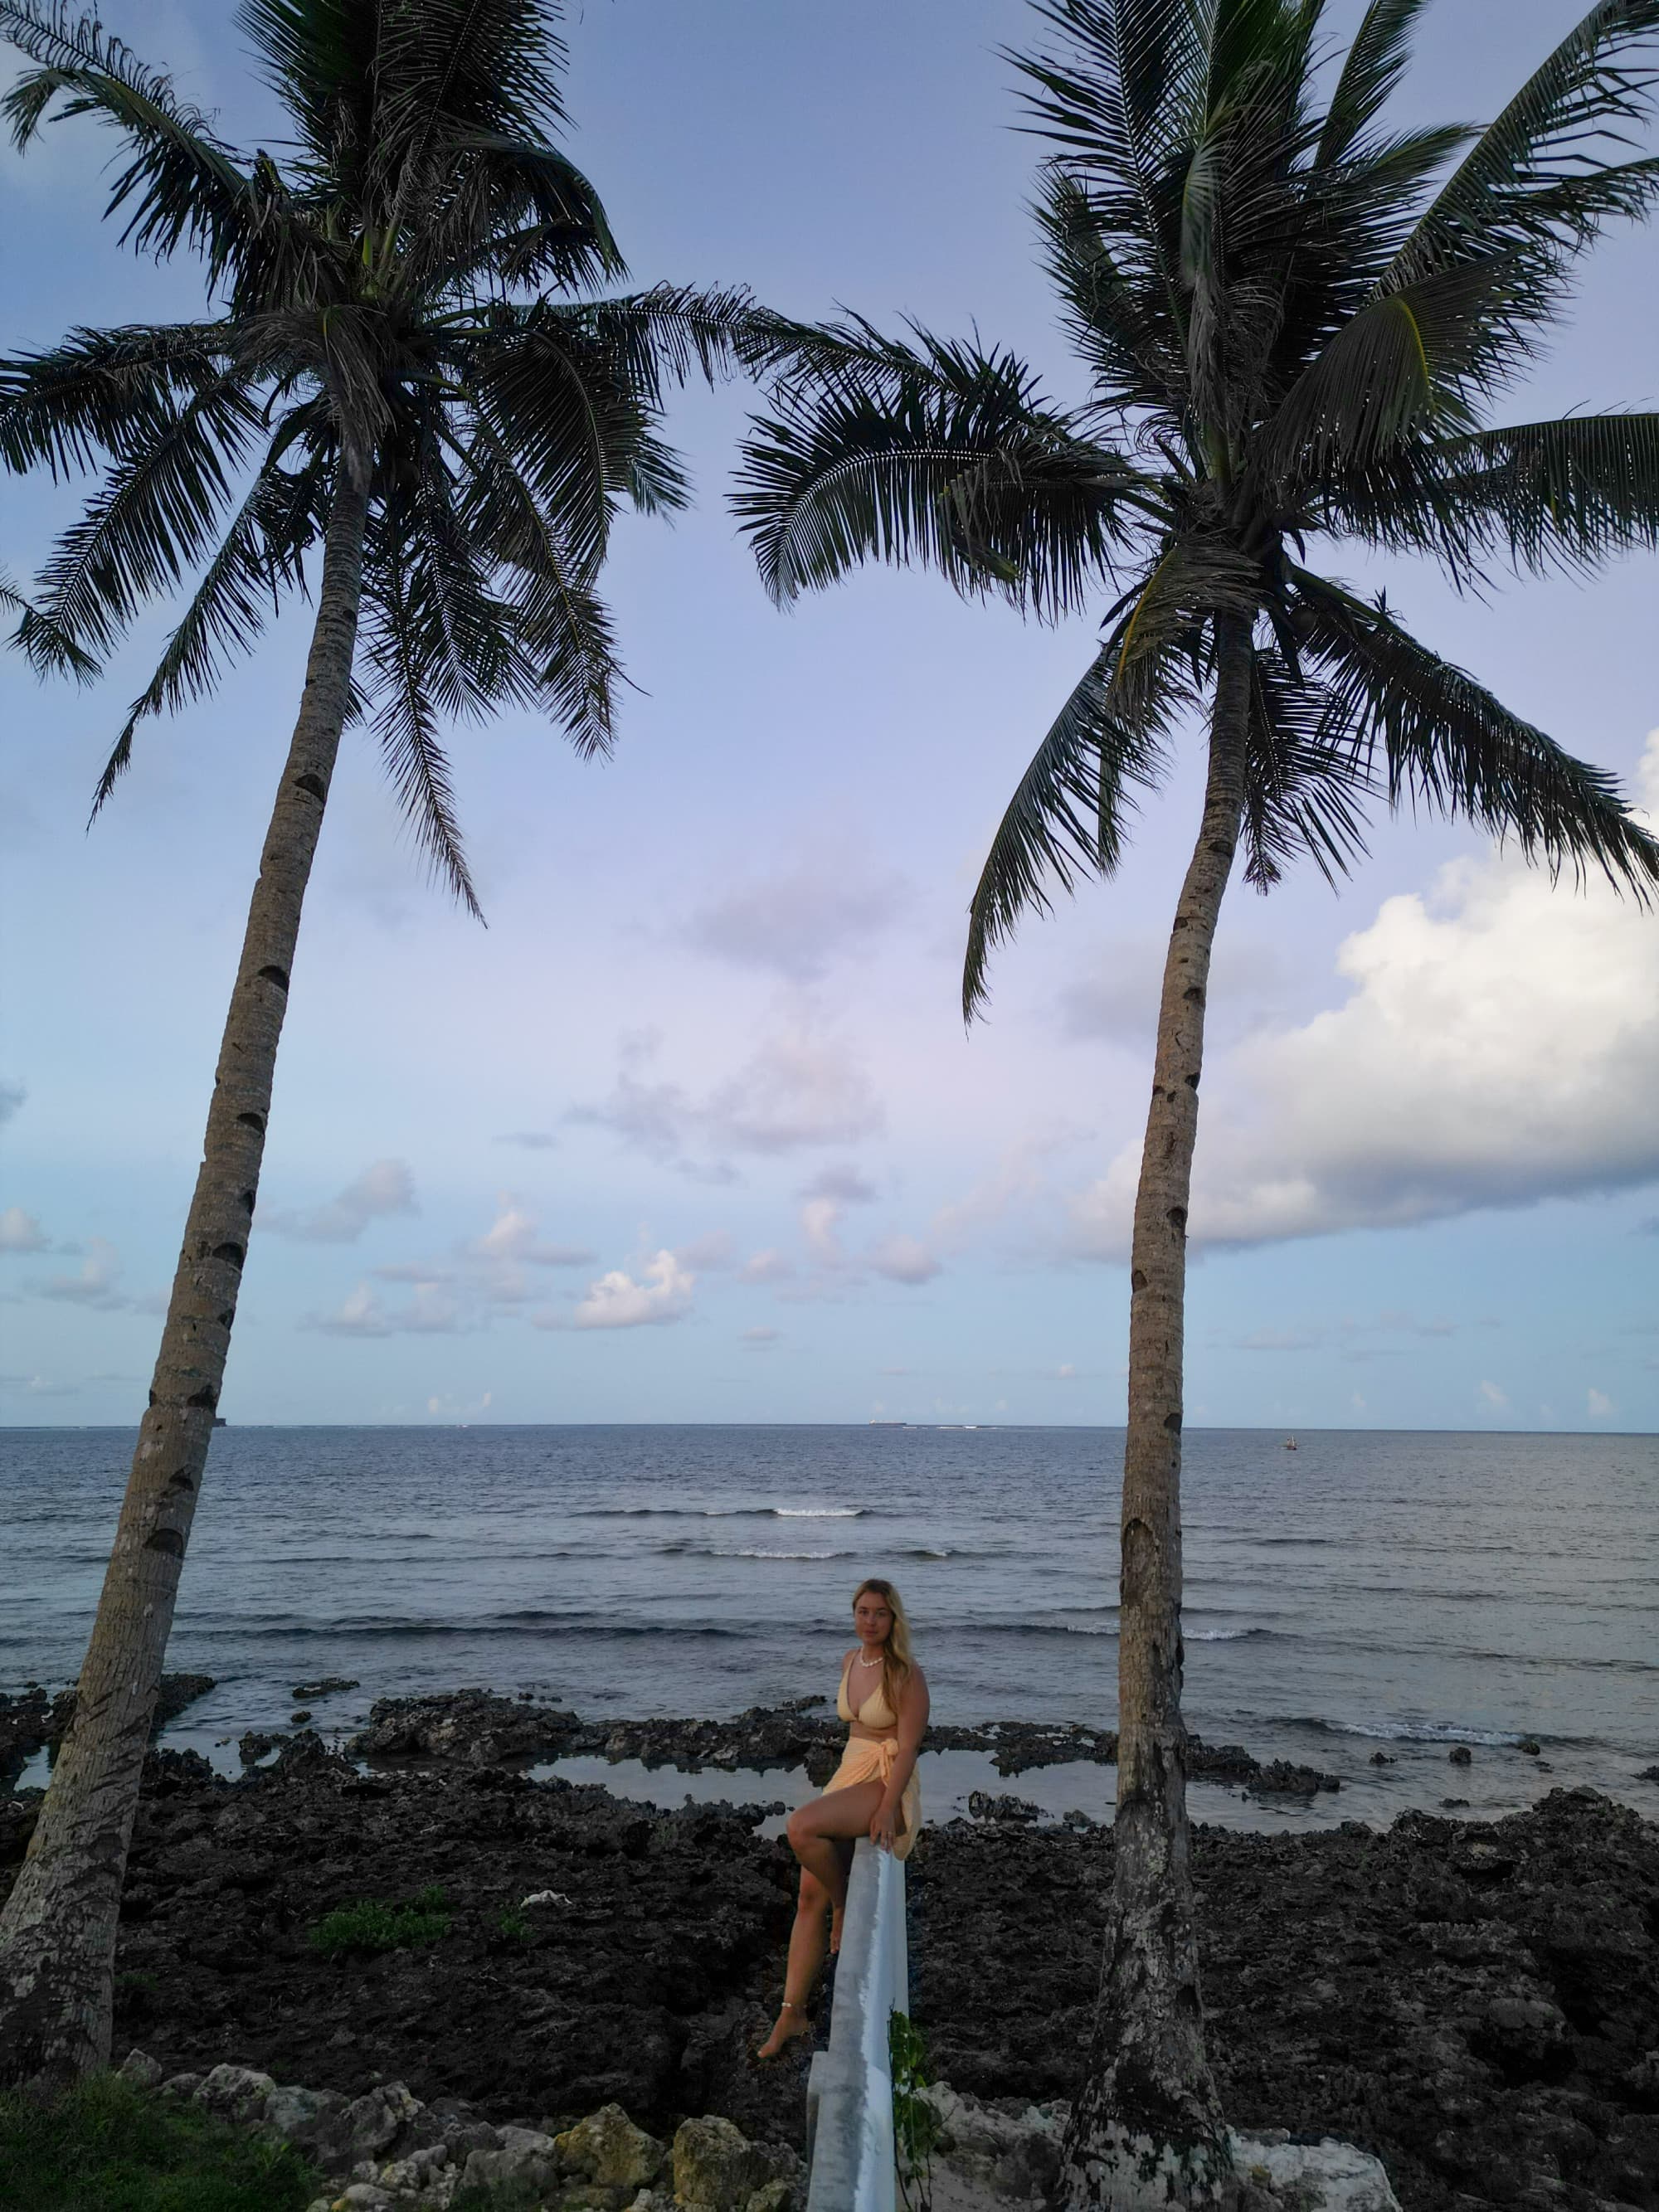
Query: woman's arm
{"points": [[912, 1726]]}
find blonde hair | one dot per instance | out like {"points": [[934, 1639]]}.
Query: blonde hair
{"points": [[896, 1659]]}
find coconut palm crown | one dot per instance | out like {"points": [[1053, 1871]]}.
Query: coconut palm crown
{"points": [[1296, 324], [404, 294]]}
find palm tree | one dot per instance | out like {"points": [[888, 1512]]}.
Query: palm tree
{"points": [[1294, 323], [404, 365]]}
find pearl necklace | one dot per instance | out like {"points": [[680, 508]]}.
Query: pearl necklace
{"points": [[876, 1662]]}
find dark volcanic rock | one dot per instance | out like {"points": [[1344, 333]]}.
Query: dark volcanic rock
{"points": [[1475, 2003], [177, 1691], [473, 1727], [1281, 1777], [982, 1806], [24, 1721], [306, 1693], [477, 1728]]}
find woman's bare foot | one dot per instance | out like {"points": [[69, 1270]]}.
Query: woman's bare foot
{"points": [[792, 2021]]}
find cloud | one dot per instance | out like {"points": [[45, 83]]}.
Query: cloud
{"points": [[767, 1267], [430, 1311], [1493, 1397], [1599, 1405], [843, 1183], [616, 1301], [710, 1252], [904, 1260], [21, 1232], [12, 1096], [385, 1186], [796, 922], [819, 1219], [512, 1238], [94, 1286], [761, 1339], [532, 1140], [1498, 1044], [797, 1089], [361, 1314], [1277, 1339], [38, 1386]]}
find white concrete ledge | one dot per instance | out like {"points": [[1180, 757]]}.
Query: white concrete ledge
{"points": [[849, 2090]]}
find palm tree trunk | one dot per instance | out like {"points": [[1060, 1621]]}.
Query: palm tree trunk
{"points": [[1147, 2129], [57, 1932]]}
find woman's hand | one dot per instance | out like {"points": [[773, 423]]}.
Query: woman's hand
{"points": [[882, 1822]]}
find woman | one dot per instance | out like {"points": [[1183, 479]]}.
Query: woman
{"points": [[883, 1701]]}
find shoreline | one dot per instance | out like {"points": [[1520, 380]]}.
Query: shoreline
{"points": [[1052, 1770], [1475, 2003]]}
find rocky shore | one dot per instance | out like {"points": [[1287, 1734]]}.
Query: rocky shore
{"points": [[482, 1729], [1476, 2004]]}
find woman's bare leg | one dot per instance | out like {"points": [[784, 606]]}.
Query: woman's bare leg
{"points": [[806, 1957], [813, 1832]]}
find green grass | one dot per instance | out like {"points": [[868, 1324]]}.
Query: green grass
{"points": [[511, 1924], [107, 2147], [380, 1923]]}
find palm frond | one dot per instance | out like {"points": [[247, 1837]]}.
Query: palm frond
{"points": [[1120, 100], [151, 517], [1305, 776], [1069, 814], [1122, 332], [1545, 178], [503, 211], [98, 392], [1371, 70], [182, 184], [940, 454], [409, 660], [562, 623], [1411, 363], [1450, 745], [257, 559], [555, 399], [1570, 494], [48, 651]]}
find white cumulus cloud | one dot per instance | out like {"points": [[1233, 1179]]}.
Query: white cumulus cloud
{"points": [[904, 1260], [618, 1300], [21, 1231], [1498, 1044], [384, 1186]]}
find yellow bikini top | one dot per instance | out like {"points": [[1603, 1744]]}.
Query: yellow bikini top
{"points": [[873, 1712]]}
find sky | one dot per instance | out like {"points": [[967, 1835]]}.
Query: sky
{"points": [[692, 1131]]}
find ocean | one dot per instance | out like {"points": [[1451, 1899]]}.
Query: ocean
{"points": [[1369, 1592]]}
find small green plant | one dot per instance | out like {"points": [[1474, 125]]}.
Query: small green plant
{"points": [[378, 1923], [513, 1925], [107, 2147], [916, 2128]]}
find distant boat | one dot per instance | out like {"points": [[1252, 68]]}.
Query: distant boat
{"points": [[1291, 1444]]}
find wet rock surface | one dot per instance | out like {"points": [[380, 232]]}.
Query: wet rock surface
{"points": [[478, 1728], [1476, 2004], [31, 1720], [24, 1720]]}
